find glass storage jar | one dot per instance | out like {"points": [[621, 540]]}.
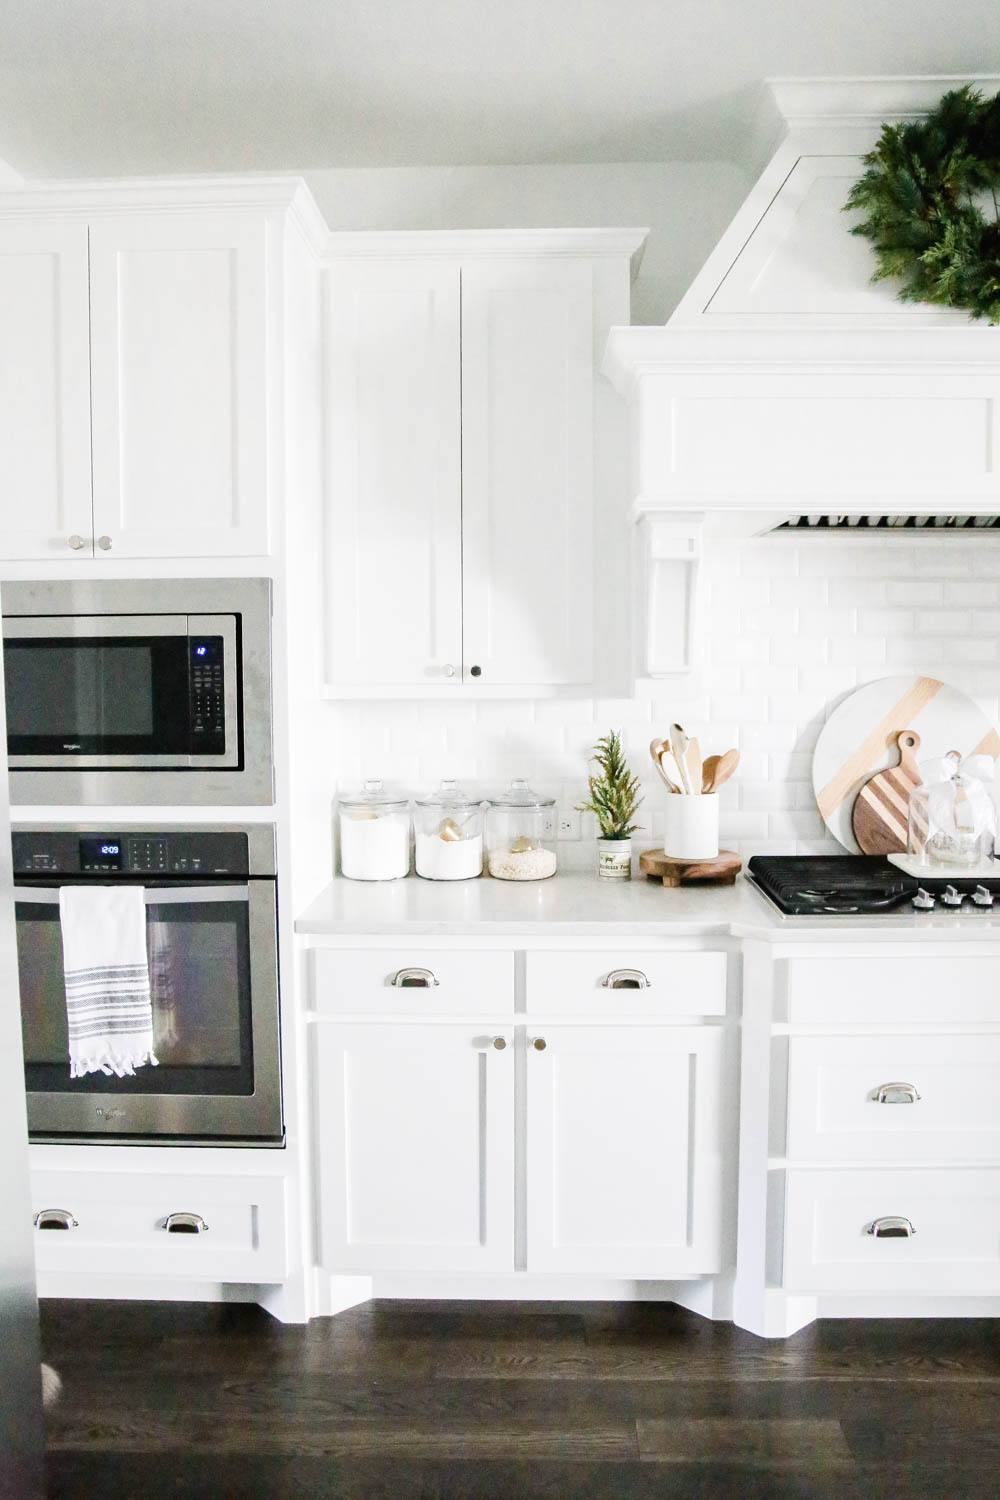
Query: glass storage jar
{"points": [[374, 833], [520, 834], [448, 834], [953, 821]]}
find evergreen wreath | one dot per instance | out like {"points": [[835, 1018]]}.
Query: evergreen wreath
{"points": [[922, 192]]}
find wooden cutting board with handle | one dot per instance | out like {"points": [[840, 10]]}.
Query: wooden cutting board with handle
{"points": [[882, 807]]}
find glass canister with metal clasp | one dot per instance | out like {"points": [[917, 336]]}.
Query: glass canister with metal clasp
{"points": [[448, 834], [520, 834]]}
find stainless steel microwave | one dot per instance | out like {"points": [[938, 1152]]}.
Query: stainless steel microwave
{"points": [[152, 691]]}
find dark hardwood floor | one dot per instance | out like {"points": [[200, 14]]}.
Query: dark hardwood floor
{"points": [[462, 1401]]}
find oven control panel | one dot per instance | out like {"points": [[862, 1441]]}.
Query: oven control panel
{"points": [[135, 855]]}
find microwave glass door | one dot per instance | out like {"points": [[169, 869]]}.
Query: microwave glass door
{"points": [[119, 691], [214, 1002]]}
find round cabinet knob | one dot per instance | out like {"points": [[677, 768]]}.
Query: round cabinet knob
{"points": [[500, 1042], [448, 670], [77, 542], [539, 1043], [475, 671], [104, 542]]}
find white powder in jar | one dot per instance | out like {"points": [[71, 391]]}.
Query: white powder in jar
{"points": [[522, 864], [449, 859], [374, 848]]}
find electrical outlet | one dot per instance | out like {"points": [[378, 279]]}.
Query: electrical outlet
{"points": [[568, 824]]}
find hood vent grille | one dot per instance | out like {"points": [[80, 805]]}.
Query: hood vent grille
{"points": [[890, 523]]}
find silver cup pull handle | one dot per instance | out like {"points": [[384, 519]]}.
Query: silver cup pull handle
{"points": [[55, 1218], [184, 1223], [415, 978], [895, 1093], [626, 979], [891, 1227]]}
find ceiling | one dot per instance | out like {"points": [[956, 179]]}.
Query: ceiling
{"points": [[130, 87]]}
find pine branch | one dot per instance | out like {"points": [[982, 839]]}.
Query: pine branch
{"points": [[614, 793]]}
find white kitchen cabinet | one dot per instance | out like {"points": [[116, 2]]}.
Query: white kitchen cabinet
{"points": [[44, 388], [140, 368], [463, 444], [394, 520], [527, 472], [178, 358], [602, 1142], [416, 1141], [624, 1151]]}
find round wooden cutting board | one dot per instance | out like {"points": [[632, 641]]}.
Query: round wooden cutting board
{"points": [[859, 739]]}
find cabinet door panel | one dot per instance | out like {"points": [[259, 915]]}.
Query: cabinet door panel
{"points": [[527, 447], [393, 545], [416, 1148], [44, 390], [178, 304], [623, 1154]]}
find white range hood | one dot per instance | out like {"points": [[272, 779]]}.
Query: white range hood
{"points": [[787, 384]]}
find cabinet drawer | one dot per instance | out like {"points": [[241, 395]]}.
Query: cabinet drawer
{"points": [[429, 982], [626, 982], [955, 1215], [944, 1104], [118, 1223], [963, 987]]}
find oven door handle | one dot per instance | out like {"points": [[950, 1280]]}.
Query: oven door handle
{"points": [[185, 895]]}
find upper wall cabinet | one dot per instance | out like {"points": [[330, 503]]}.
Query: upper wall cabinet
{"points": [[137, 414], [464, 437]]}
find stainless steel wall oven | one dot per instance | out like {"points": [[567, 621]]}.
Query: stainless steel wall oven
{"points": [[152, 691], [211, 934]]}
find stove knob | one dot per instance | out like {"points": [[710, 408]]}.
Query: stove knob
{"points": [[952, 897], [982, 897], [924, 901]]}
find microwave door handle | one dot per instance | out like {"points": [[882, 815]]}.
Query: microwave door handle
{"points": [[184, 895]]}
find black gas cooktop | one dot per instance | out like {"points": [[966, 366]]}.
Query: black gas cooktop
{"points": [[849, 884]]}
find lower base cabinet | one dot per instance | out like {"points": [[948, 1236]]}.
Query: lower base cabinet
{"points": [[416, 1147], [624, 1162], [621, 1148], [196, 1227]]}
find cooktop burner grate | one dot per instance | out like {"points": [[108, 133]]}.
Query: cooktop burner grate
{"points": [[831, 884], [846, 884]]}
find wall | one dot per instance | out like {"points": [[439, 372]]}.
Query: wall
{"points": [[686, 206], [789, 626]]}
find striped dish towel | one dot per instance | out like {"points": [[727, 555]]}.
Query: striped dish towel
{"points": [[108, 1004]]}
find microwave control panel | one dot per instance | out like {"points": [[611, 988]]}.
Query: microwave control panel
{"points": [[207, 694], [131, 855]]}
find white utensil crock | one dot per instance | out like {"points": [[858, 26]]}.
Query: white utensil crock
{"points": [[691, 826]]}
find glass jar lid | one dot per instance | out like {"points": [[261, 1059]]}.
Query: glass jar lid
{"points": [[375, 798], [520, 794], [449, 794]]}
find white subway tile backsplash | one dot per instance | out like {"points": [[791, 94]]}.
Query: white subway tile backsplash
{"points": [[791, 626]]}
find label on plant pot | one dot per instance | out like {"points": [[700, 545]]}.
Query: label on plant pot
{"points": [[614, 859]]}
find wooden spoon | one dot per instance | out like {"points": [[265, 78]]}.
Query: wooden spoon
{"points": [[679, 745], [721, 770], [665, 764], [693, 760]]}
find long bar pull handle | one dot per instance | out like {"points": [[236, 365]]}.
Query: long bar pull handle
{"points": [[895, 1093], [626, 979], [891, 1227], [55, 1218], [422, 979], [184, 1223]]}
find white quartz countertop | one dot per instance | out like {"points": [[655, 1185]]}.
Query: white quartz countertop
{"points": [[578, 904]]}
